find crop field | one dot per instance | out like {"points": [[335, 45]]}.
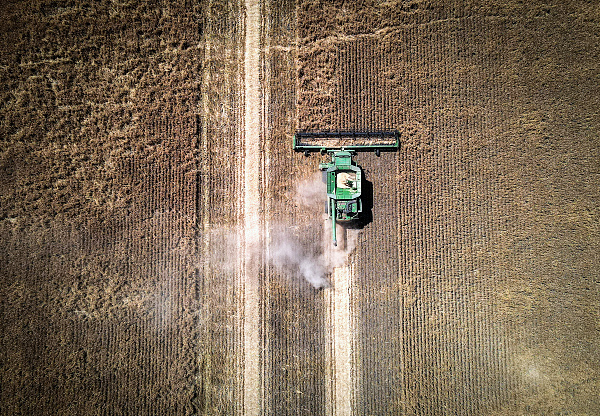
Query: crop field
{"points": [[164, 251]]}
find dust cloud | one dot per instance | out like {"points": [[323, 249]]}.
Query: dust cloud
{"points": [[312, 193], [287, 253], [298, 250], [292, 250]]}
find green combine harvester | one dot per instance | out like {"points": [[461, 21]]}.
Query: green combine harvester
{"points": [[342, 175]]}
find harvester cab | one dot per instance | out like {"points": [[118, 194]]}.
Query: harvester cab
{"points": [[341, 174]]}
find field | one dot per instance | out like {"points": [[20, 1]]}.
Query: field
{"points": [[165, 252]]}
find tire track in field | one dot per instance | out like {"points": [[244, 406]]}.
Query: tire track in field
{"points": [[251, 267], [340, 324], [341, 328]]}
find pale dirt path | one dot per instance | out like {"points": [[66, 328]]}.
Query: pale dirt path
{"points": [[340, 384], [251, 267], [342, 342]]}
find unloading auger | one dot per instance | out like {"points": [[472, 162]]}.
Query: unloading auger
{"points": [[342, 175]]}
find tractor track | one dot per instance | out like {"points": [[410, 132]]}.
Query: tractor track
{"points": [[340, 329]]}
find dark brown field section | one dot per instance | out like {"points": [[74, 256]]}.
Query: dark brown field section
{"points": [[476, 286], [477, 282]]}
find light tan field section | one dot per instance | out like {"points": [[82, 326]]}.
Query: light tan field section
{"points": [[160, 241]]}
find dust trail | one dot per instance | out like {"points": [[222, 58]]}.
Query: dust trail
{"points": [[292, 250], [288, 253], [312, 193], [251, 267], [297, 251]]}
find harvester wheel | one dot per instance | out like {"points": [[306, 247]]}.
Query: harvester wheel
{"points": [[306, 153], [377, 152]]}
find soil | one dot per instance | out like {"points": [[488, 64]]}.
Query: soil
{"points": [[146, 169]]}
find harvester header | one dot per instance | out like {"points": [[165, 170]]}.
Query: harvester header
{"points": [[325, 141]]}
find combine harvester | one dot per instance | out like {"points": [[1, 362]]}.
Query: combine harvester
{"points": [[342, 175]]}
